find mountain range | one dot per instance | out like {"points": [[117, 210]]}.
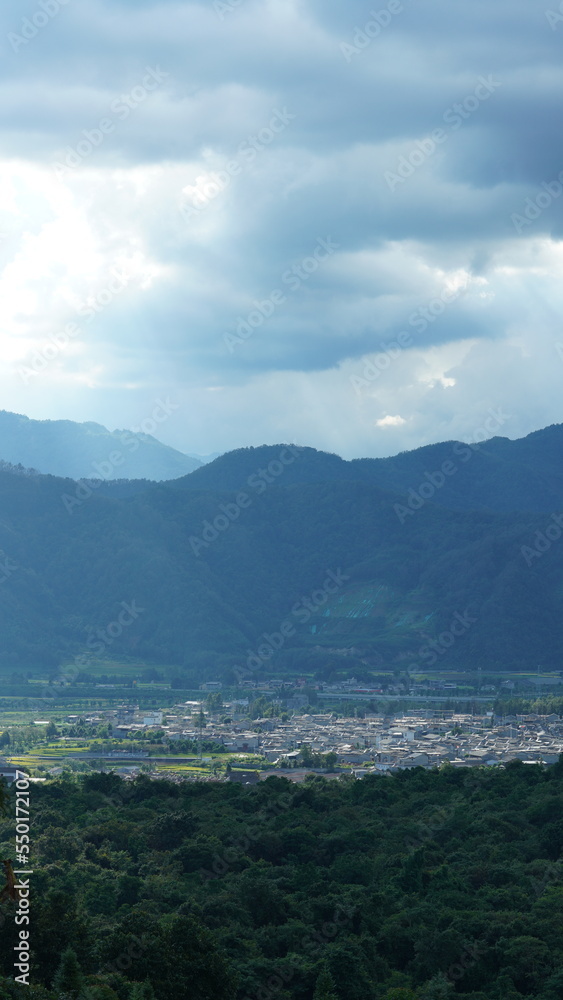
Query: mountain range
{"points": [[88, 450], [288, 558], [498, 475]]}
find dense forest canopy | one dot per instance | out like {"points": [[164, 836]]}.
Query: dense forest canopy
{"points": [[425, 885]]}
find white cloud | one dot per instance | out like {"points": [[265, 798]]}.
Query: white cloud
{"points": [[390, 422], [444, 237]]}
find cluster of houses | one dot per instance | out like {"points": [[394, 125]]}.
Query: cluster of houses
{"points": [[374, 743], [362, 746], [377, 744]]}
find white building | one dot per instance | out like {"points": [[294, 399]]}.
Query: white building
{"points": [[153, 720], [7, 772]]}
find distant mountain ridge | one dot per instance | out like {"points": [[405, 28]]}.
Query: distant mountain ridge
{"points": [[497, 475], [235, 557], [88, 450]]}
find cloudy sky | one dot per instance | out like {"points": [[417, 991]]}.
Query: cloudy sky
{"points": [[328, 222]]}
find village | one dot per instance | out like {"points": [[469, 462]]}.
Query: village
{"points": [[299, 744], [426, 738]]}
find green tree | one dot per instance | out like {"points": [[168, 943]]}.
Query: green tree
{"points": [[214, 701], [185, 963], [505, 989], [68, 977], [437, 988], [325, 987], [554, 986], [142, 991]]}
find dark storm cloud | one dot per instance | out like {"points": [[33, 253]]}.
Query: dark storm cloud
{"points": [[215, 143]]}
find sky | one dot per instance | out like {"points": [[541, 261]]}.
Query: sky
{"points": [[335, 224]]}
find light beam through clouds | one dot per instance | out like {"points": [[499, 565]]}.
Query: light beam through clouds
{"points": [[195, 154]]}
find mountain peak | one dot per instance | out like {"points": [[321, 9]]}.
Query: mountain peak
{"points": [[88, 450]]}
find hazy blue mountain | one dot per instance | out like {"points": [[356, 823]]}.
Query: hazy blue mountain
{"points": [[214, 572], [204, 459], [65, 448], [498, 475]]}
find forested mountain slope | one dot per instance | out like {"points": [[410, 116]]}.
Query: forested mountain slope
{"points": [[497, 474], [213, 571]]}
